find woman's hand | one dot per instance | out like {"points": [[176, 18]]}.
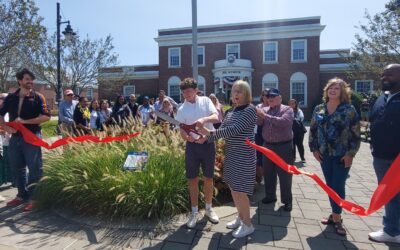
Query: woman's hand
{"points": [[348, 161], [318, 156]]}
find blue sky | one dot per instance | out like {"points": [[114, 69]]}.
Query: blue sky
{"points": [[134, 23]]}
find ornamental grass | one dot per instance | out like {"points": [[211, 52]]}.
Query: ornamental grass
{"points": [[89, 177]]}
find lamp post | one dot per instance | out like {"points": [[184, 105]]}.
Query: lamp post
{"points": [[68, 33]]}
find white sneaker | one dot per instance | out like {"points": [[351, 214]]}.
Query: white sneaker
{"points": [[212, 216], [193, 217], [234, 224], [381, 236], [243, 231]]}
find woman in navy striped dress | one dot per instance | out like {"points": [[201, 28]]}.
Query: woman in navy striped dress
{"points": [[240, 159]]}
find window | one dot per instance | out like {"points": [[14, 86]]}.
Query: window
{"points": [[174, 57], [233, 49], [129, 89], [201, 84], [200, 56], [363, 86], [298, 88], [89, 93], [269, 80], [270, 52], [299, 50], [173, 88]]}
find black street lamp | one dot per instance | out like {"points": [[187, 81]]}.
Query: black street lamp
{"points": [[68, 33]]}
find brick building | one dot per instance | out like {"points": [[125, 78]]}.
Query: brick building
{"points": [[279, 53]]}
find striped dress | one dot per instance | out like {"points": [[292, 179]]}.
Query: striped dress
{"points": [[240, 159]]}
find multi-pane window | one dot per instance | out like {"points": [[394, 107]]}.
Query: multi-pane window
{"points": [[233, 49], [200, 55], [299, 50], [129, 89], [270, 52], [363, 86], [298, 92], [174, 57], [173, 88], [269, 80], [89, 93]]}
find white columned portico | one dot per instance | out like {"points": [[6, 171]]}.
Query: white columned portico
{"points": [[227, 71]]}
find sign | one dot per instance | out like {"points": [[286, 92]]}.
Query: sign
{"points": [[136, 161]]}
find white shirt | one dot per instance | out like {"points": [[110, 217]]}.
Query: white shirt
{"points": [[188, 112], [93, 118], [5, 139]]}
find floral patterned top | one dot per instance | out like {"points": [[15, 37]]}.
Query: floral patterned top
{"points": [[336, 134]]}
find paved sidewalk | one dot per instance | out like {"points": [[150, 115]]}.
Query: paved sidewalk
{"points": [[275, 229]]}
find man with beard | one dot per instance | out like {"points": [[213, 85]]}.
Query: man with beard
{"points": [[385, 144], [28, 107]]}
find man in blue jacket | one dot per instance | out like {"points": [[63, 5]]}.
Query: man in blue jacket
{"points": [[385, 144]]}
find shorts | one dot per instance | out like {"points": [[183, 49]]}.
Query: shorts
{"points": [[199, 155]]}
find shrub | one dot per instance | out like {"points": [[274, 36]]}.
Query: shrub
{"points": [[89, 177]]}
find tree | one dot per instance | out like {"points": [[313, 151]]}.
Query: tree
{"points": [[379, 42], [20, 29], [81, 60]]}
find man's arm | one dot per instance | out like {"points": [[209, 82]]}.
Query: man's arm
{"points": [[37, 120]]}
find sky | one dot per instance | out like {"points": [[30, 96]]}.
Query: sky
{"points": [[134, 24]]}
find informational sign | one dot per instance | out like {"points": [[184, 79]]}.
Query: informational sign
{"points": [[136, 161]]}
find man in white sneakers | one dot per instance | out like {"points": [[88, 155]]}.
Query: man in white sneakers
{"points": [[199, 110], [385, 144]]}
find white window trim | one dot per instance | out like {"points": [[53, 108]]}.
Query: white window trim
{"points": [[371, 88], [199, 83], [89, 90], [305, 51], [231, 44], [126, 86], [274, 82], [173, 84], [204, 56], [305, 92], [169, 57], [276, 52]]}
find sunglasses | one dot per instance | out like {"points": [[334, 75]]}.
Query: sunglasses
{"points": [[70, 94]]}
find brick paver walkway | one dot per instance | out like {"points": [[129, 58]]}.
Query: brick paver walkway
{"points": [[276, 229]]}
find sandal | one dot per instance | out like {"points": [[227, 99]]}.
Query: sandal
{"points": [[339, 229], [329, 220]]}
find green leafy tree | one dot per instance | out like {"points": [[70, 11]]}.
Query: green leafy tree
{"points": [[379, 41], [20, 32]]}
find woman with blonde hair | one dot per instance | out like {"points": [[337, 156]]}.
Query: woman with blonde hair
{"points": [[240, 159], [334, 140], [219, 108]]}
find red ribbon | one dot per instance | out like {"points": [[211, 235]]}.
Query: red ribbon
{"points": [[31, 138], [386, 190]]}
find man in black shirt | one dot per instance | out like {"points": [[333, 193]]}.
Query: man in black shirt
{"points": [[29, 108], [385, 144]]}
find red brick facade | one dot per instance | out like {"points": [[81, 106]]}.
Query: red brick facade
{"points": [[318, 67]]}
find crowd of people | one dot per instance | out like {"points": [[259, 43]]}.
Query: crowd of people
{"points": [[334, 139]]}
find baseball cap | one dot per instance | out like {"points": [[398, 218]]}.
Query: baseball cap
{"points": [[273, 92], [68, 92]]}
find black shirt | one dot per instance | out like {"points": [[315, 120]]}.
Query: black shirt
{"points": [[33, 105], [385, 127]]}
